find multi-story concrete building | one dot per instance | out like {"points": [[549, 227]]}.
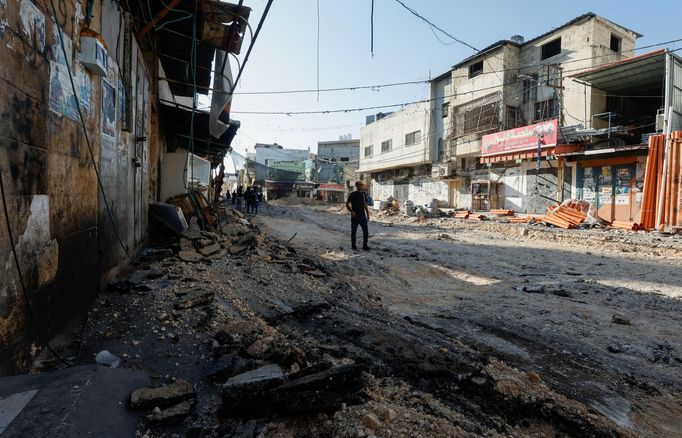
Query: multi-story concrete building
{"points": [[337, 163], [282, 171], [396, 151], [515, 83]]}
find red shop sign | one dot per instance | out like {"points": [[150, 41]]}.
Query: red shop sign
{"points": [[520, 139]]}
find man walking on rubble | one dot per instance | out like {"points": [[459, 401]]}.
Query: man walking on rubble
{"points": [[359, 213]]}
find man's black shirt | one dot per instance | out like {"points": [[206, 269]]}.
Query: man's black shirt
{"points": [[357, 202]]}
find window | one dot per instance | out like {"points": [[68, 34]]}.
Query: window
{"points": [[514, 117], [386, 146], [547, 109], [446, 109], [368, 151], [615, 43], [475, 69], [529, 88], [552, 48], [413, 138], [344, 159], [463, 164], [480, 118], [477, 116]]}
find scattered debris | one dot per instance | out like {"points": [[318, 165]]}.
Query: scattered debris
{"points": [[190, 256], [164, 396], [107, 359], [620, 319], [193, 299]]}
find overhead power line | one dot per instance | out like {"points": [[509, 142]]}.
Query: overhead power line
{"points": [[347, 110]]}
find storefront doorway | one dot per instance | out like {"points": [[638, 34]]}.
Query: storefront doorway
{"points": [[612, 189]]}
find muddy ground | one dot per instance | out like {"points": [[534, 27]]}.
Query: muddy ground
{"points": [[459, 328]]}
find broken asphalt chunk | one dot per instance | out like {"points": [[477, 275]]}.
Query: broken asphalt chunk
{"points": [[169, 395], [210, 249], [174, 413], [190, 256], [229, 365], [194, 299], [328, 389], [248, 385], [620, 319]]}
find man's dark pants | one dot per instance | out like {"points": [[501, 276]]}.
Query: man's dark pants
{"points": [[362, 221]]}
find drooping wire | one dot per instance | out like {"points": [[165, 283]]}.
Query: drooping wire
{"points": [[85, 130], [318, 50], [371, 30], [190, 150]]}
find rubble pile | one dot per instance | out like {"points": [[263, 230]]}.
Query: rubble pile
{"points": [[249, 335]]}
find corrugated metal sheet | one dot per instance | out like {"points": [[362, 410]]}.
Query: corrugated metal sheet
{"points": [[676, 92], [644, 72]]}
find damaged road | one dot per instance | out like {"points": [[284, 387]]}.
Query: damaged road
{"points": [[425, 335]]}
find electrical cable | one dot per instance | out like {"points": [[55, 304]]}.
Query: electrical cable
{"points": [[85, 131], [377, 87], [290, 113], [188, 15], [22, 284], [253, 42], [190, 149], [231, 38], [318, 50], [433, 26], [371, 30]]}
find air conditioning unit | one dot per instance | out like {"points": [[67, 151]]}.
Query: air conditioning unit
{"points": [[442, 170], [660, 120]]}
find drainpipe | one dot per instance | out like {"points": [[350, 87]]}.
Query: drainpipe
{"points": [[668, 129]]}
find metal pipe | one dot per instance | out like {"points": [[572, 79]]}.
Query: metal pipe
{"points": [[162, 13], [668, 129]]}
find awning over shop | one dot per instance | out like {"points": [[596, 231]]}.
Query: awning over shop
{"points": [[331, 188], [643, 73], [178, 121], [557, 150]]}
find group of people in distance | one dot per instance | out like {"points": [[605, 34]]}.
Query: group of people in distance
{"points": [[252, 197]]}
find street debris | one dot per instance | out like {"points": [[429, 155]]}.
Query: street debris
{"points": [[274, 339], [164, 396], [107, 359]]}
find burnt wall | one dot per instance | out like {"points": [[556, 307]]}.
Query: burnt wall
{"points": [[66, 243]]}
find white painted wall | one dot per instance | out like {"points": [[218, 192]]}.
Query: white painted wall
{"points": [[421, 190], [424, 189], [394, 127], [173, 170]]}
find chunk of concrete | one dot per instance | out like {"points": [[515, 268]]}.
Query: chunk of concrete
{"points": [[194, 299], [190, 256], [169, 395], [210, 249], [174, 413], [260, 379], [227, 366]]}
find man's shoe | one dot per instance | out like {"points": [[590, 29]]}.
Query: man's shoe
{"points": [[366, 248]]}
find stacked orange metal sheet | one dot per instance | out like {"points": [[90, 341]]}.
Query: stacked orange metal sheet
{"points": [[564, 216], [501, 212], [662, 175]]}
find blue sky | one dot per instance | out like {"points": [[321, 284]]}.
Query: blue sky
{"points": [[405, 49]]}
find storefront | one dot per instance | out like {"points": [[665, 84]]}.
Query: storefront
{"points": [[613, 184], [332, 192], [531, 176]]}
